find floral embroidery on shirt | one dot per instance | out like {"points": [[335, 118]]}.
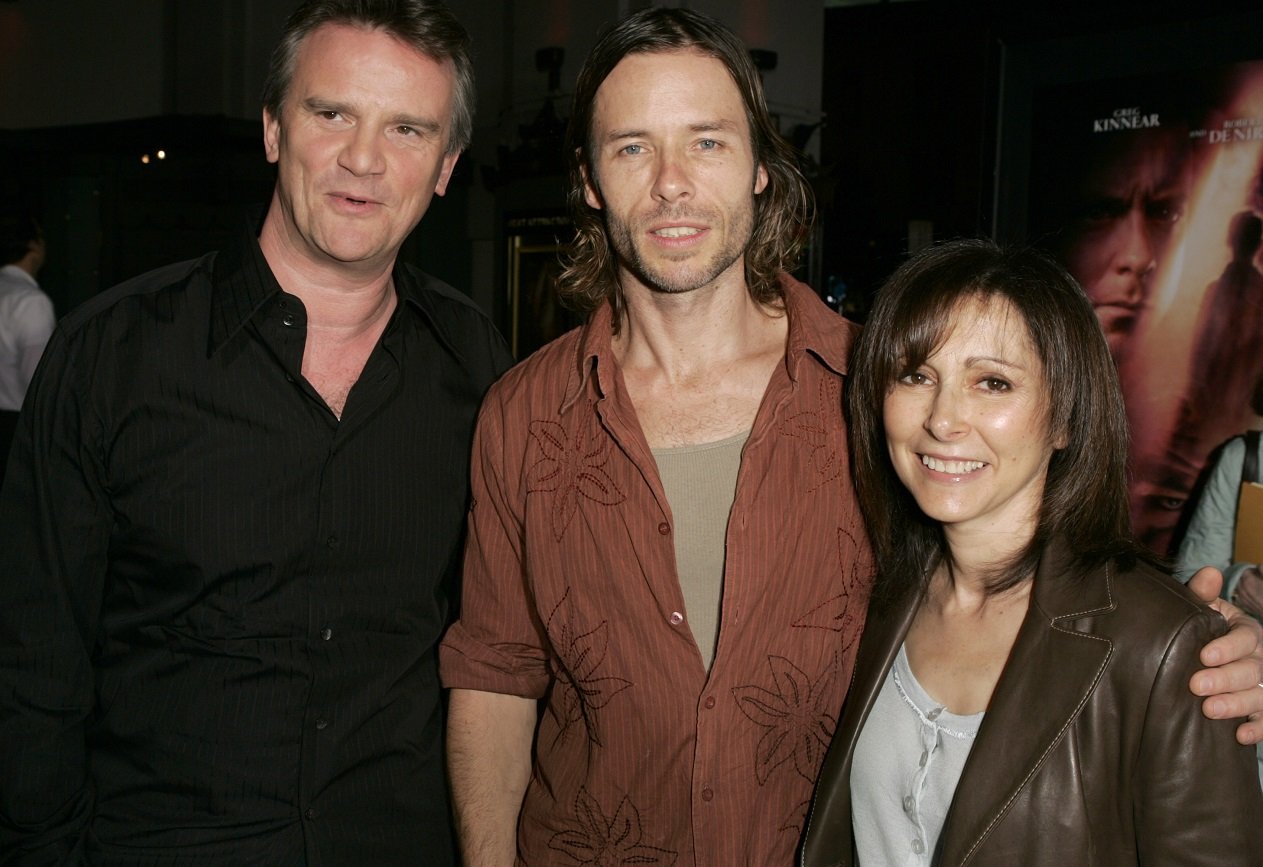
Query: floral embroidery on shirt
{"points": [[571, 469], [821, 430], [797, 819], [582, 655], [607, 842], [797, 714], [844, 612]]}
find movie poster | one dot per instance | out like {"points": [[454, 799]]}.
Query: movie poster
{"points": [[1150, 191]]}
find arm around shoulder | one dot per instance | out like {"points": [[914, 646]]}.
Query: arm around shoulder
{"points": [[489, 737], [1195, 782]]}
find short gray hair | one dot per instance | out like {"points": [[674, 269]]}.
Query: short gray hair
{"points": [[426, 25]]}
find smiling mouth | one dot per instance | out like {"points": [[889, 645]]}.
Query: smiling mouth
{"points": [[954, 468], [676, 232]]}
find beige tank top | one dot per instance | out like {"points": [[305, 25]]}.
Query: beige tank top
{"points": [[700, 482]]}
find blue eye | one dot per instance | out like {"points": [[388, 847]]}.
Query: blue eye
{"points": [[633, 149]]}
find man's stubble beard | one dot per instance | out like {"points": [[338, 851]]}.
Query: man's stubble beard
{"points": [[674, 282]]}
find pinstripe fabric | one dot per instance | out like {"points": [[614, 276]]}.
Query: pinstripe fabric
{"points": [[220, 604], [572, 596]]}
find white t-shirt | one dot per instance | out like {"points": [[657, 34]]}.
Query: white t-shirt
{"points": [[26, 322]]}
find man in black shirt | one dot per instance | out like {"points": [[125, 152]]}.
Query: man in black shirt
{"points": [[238, 496]]}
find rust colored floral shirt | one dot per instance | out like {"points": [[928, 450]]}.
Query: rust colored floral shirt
{"points": [[571, 596]]}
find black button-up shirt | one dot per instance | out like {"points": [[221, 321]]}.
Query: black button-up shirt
{"points": [[219, 604]]}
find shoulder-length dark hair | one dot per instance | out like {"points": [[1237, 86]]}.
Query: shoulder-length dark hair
{"points": [[782, 212], [1085, 495]]}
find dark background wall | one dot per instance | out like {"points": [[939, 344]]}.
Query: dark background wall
{"points": [[90, 87], [899, 105]]}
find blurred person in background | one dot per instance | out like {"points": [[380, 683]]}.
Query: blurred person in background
{"points": [[26, 316]]}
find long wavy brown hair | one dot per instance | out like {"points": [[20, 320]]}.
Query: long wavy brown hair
{"points": [[783, 212]]}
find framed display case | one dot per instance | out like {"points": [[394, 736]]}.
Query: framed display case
{"points": [[534, 315]]}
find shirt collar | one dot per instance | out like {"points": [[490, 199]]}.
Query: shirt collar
{"points": [[813, 329], [1065, 588], [595, 352], [19, 274], [412, 289], [243, 282]]}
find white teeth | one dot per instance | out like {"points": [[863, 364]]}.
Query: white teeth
{"points": [[954, 468], [677, 232]]}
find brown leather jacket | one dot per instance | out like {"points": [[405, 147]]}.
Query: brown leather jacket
{"points": [[1093, 751]]}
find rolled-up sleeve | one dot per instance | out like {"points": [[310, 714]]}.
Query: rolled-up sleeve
{"points": [[497, 644]]}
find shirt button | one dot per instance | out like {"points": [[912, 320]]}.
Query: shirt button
{"points": [[311, 813], [332, 541], [918, 846], [707, 794], [676, 618], [322, 724], [288, 320], [664, 528], [710, 702], [908, 803], [326, 633]]}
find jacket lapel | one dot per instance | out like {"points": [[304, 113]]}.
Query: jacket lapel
{"points": [[884, 631], [1052, 670], [883, 635]]}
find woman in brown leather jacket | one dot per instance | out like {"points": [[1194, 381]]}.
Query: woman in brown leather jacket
{"points": [[1020, 695]]}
